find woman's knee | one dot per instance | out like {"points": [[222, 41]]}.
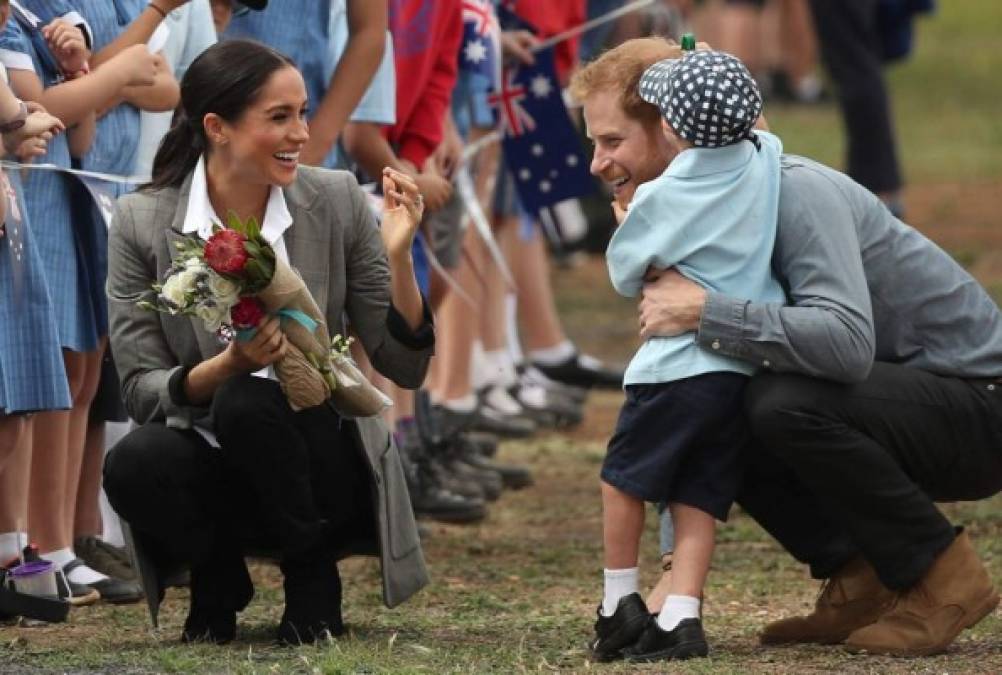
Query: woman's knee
{"points": [[241, 400]]}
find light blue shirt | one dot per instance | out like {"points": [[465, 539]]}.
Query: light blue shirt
{"points": [[191, 33], [712, 214]]}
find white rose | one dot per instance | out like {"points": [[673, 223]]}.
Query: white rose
{"points": [[212, 314], [222, 289], [195, 263], [174, 291]]}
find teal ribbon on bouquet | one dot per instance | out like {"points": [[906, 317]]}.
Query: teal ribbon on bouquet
{"points": [[304, 319]]}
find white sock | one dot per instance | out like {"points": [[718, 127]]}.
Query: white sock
{"points": [[10, 545], [80, 575], [552, 356], [677, 608], [501, 367], [465, 404], [618, 584]]}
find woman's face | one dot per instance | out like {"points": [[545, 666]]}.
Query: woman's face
{"points": [[262, 147]]}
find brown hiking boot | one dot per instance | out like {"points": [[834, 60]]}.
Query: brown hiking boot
{"points": [[850, 599], [954, 594]]}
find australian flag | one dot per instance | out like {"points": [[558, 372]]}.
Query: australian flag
{"points": [[481, 50], [541, 147]]}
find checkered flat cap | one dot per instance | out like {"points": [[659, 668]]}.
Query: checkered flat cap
{"points": [[708, 97]]}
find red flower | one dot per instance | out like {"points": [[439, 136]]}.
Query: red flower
{"points": [[247, 313], [225, 252]]}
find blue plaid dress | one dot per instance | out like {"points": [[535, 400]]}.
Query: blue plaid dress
{"points": [[62, 240], [32, 375]]}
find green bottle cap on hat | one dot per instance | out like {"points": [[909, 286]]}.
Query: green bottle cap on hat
{"points": [[688, 42]]}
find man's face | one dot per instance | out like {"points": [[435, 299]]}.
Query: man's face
{"points": [[628, 153]]}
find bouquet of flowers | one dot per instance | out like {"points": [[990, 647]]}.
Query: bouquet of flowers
{"points": [[232, 282]]}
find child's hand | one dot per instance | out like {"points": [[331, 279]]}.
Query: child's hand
{"points": [[619, 212], [32, 139], [138, 67], [67, 44], [403, 208]]}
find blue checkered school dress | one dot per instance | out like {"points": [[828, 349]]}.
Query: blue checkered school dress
{"points": [[69, 265], [32, 375]]}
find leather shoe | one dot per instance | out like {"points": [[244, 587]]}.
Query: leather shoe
{"points": [[312, 600], [852, 598], [581, 370], [613, 633], [684, 641], [955, 593]]}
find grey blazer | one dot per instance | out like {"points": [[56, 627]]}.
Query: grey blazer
{"points": [[335, 245]]}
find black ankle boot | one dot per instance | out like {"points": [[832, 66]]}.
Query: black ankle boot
{"points": [[220, 588], [312, 601]]}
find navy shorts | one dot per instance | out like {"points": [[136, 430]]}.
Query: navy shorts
{"points": [[681, 442]]}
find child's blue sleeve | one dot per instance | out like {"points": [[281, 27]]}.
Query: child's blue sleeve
{"points": [[15, 48]]}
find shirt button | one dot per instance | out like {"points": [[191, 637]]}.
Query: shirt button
{"points": [[715, 344], [766, 363]]}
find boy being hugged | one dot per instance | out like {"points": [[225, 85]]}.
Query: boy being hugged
{"points": [[712, 215]]}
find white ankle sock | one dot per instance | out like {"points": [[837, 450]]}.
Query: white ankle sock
{"points": [[677, 608], [80, 575], [10, 545], [555, 355], [465, 404], [618, 584], [501, 367]]}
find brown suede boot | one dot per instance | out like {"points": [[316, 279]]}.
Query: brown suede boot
{"points": [[850, 599], [954, 594]]}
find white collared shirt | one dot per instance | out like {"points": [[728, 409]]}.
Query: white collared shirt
{"points": [[200, 217]]}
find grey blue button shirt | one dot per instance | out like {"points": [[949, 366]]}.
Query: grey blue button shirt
{"points": [[862, 286]]}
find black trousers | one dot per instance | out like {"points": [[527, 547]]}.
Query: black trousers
{"points": [[282, 481], [840, 470], [847, 36]]}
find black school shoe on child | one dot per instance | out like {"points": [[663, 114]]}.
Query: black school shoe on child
{"points": [[622, 629], [684, 641]]}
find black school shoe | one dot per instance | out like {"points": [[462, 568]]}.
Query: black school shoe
{"points": [[685, 641], [622, 629]]}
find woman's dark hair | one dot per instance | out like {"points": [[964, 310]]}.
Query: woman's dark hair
{"points": [[225, 79]]}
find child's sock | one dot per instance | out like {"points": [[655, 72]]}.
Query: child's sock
{"points": [[618, 584], [81, 575], [677, 608]]}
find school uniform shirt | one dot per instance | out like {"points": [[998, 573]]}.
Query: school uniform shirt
{"points": [[191, 32], [426, 38], [67, 274], [116, 143], [712, 214]]}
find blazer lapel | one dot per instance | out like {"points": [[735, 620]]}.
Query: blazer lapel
{"points": [[208, 345]]}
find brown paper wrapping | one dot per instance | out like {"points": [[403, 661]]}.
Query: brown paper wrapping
{"points": [[303, 384]]}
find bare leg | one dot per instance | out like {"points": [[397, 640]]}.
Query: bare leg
{"points": [[77, 436], [87, 518], [694, 540], [47, 486], [740, 34], [622, 526], [458, 328], [800, 48], [537, 311], [14, 473]]}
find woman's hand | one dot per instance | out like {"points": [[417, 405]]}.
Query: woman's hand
{"points": [[402, 212], [268, 345]]}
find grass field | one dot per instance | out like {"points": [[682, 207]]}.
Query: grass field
{"points": [[518, 592]]}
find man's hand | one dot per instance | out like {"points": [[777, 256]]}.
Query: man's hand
{"points": [[670, 304], [517, 45]]}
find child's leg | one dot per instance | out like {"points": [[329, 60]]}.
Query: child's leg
{"points": [[694, 540], [622, 525], [666, 532]]}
